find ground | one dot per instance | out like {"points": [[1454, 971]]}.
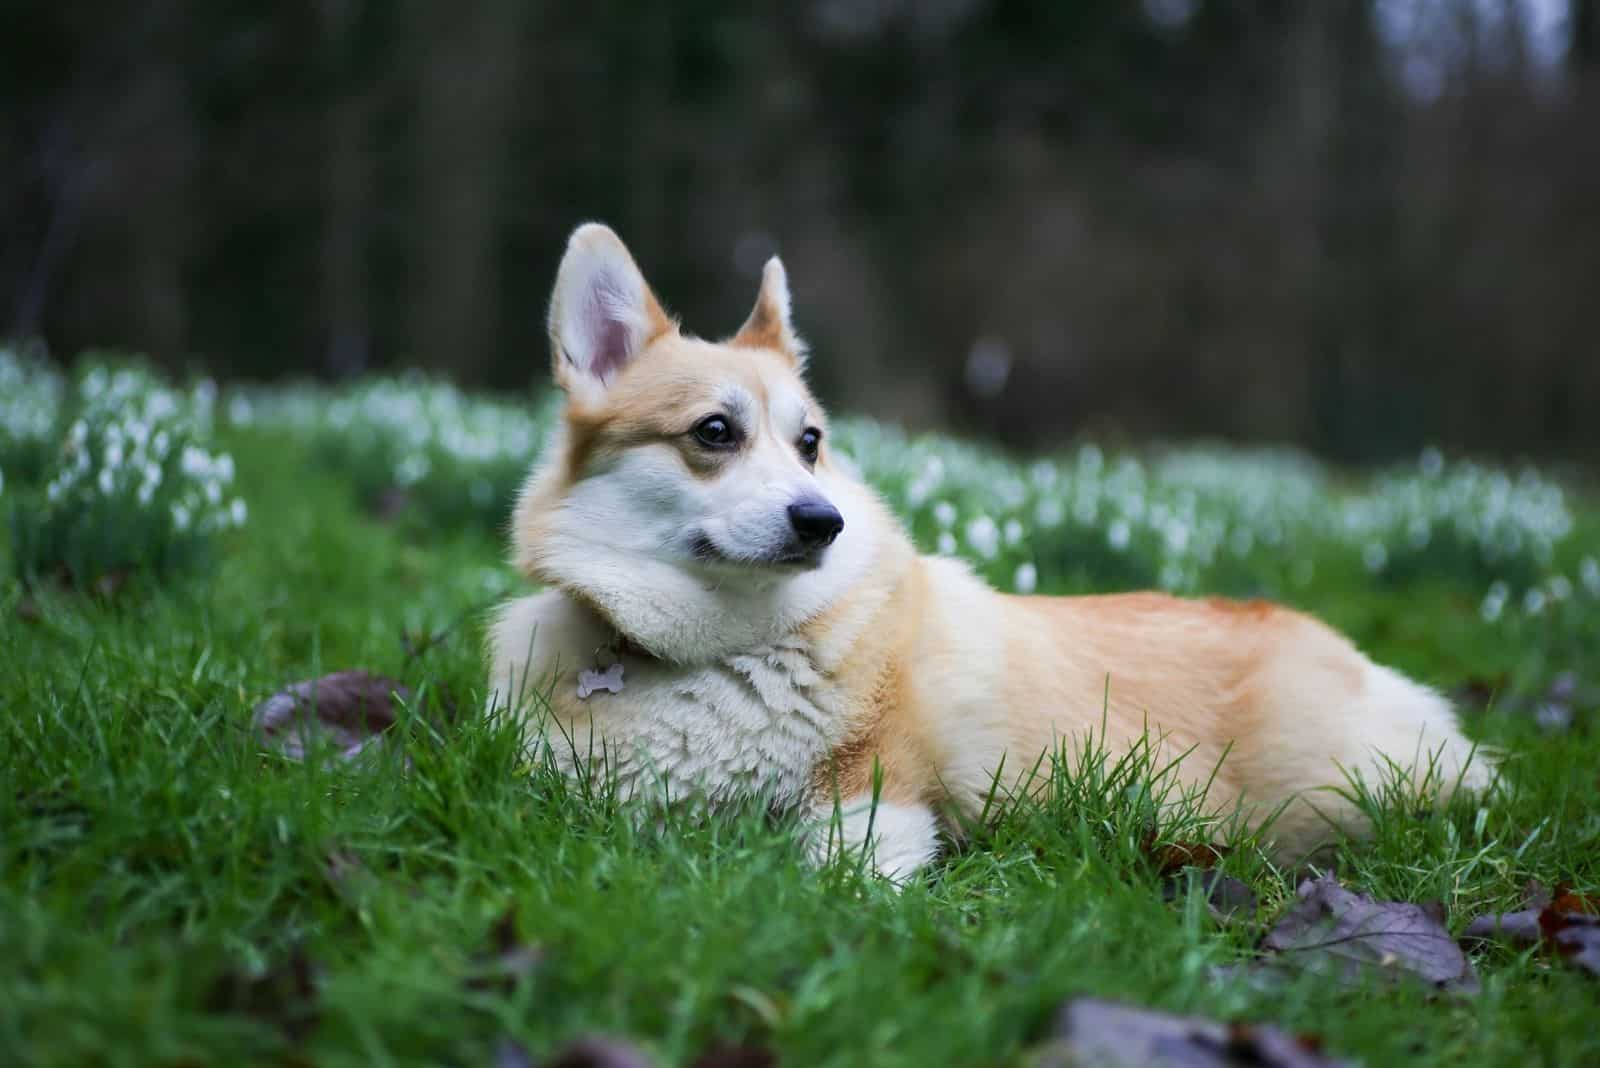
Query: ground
{"points": [[171, 893]]}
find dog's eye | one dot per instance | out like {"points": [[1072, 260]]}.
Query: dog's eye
{"points": [[714, 432], [808, 444]]}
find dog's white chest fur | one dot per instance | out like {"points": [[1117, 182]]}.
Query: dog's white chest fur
{"points": [[754, 722]]}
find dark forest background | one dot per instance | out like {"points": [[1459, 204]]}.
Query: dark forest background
{"points": [[1359, 226]]}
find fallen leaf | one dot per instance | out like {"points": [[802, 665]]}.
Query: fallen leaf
{"points": [[1103, 1033], [1225, 895], [1348, 935], [350, 709], [1567, 925], [1519, 928], [283, 995], [736, 1056], [1566, 900], [1170, 858], [509, 958], [1575, 937], [598, 1053], [391, 504], [509, 1053]]}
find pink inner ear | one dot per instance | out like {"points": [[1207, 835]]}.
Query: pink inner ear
{"points": [[611, 351], [607, 333]]}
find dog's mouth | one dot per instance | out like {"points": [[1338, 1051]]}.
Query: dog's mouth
{"points": [[705, 551]]}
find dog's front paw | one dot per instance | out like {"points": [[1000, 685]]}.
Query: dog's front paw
{"points": [[895, 839]]}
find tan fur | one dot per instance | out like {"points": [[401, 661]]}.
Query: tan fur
{"points": [[882, 658]]}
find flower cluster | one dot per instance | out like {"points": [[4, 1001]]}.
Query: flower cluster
{"points": [[110, 387], [30, 410], [134, 484], [1240, 521], [413, 440]]}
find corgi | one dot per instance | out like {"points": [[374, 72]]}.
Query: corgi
{"points": [[728, 611]]}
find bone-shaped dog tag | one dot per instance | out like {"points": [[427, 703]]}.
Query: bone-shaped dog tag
{"points": [[592, 681]]}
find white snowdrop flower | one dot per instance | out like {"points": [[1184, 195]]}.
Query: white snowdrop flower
{"points": [[224, 467], [1533, 602], [194, 462], [180, 518], [1418, 533], [1494, 604], [1013, 532], [1374, 556], [917, 492], [1085, 511], [944, 513], [238, 512], [1026, 580], [213, 493], [411, 470], [1432, 462], [146, 493], [1177, 534], [1049, 513], [152, 473], [1119, 534], [113, 456], [947, 543], [1589, 574], [1560, 587], [984, 537], [239, 409], [52, 492], [107, 480], [78, 434]]}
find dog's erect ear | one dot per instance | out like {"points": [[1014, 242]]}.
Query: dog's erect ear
{"points": [[768, 326], [602, 314]]}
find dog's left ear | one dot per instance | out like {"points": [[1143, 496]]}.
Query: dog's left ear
{"points": [[768, 326]]}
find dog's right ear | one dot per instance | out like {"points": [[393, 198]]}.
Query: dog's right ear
{"points": [[602, 314]]}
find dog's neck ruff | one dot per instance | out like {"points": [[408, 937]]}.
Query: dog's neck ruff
{"points": [[695, 619]]}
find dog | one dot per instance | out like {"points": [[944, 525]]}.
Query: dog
{"points": [[729, 612]]}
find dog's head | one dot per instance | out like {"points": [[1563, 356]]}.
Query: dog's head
{"points": [[690, 496]]}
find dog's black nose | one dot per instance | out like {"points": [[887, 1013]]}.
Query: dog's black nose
{"points": [[815, 521]]}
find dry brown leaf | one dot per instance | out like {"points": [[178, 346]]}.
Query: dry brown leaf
{"points": [[1350, 936], [599, 1053], [349, 710], [1109, 1035]]}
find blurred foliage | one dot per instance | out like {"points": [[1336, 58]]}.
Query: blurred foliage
{"points": [[1355, 226]]}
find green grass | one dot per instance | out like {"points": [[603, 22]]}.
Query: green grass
{"points": [[159, 873]]}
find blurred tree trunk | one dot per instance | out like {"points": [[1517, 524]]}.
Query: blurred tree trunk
{"points": [[346, 193], [1583, 46], [1353, 400], [158, 156], [468, 56]]}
